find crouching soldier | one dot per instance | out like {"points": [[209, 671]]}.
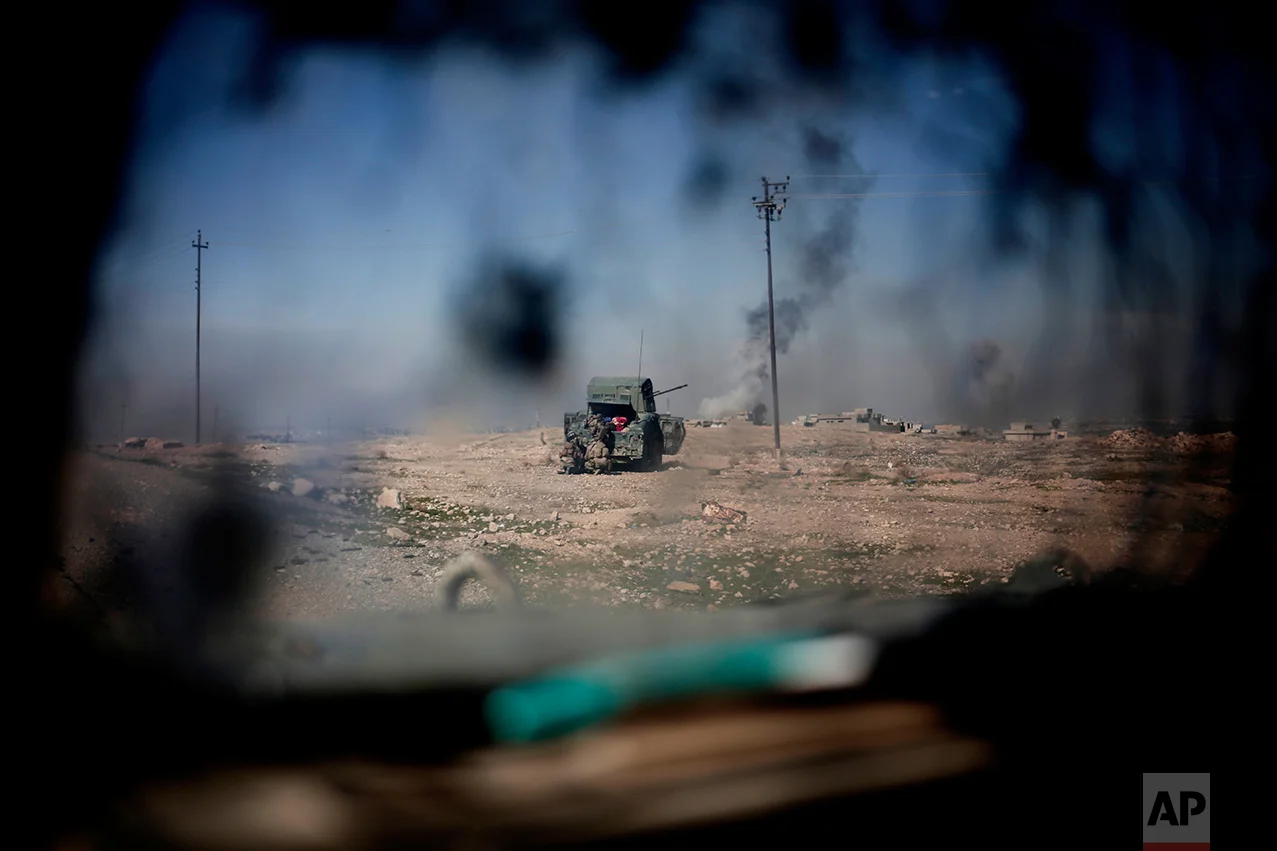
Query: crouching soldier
{"points": [[598, 455], [572, 456]]}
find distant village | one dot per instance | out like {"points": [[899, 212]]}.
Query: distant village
{"points": [[867, 420]]}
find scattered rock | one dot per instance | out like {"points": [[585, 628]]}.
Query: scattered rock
{"points": [[303, 487], [389, 498], [554, 517], [492, 526], [397, 534], [714, 512], [715, 585], [273, 486], [337, 498], [686, 587]]}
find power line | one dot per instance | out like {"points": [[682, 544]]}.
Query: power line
{"points": [[166, 243], [417, 246], [144, 258], [142, 264], [126, 269], [345, 234], [429, 246], [956, 193], [867, 175], [870, 175]]}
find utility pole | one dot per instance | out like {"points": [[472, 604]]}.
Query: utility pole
{"points": [[199, 245], [769, 209]]}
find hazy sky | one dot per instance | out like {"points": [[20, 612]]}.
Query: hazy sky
{"points": [[343, 223]]}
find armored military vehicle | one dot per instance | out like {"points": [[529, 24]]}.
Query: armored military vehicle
{"points": [[644, 437]]}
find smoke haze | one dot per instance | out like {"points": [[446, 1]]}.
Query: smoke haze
{"points": [[338, 256]]}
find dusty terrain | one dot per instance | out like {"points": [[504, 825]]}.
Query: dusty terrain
{"points": [[884, 514]]}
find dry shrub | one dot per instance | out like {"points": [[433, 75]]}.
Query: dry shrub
{"points": [[857, 472]]}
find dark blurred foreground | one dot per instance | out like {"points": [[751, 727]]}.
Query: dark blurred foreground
{"points": [[1009, 722]]}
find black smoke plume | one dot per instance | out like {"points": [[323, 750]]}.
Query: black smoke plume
{"points": [[824, 231]]}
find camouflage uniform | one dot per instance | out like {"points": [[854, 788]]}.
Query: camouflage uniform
{"points": [[598, 458], [572, 456], [598, 455]]}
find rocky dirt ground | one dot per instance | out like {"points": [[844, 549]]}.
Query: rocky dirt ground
{"points": [[369, 526]]}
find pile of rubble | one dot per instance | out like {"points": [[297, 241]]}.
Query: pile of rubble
{"points": [[149, 443], [1134, 438], [1193, 443]]}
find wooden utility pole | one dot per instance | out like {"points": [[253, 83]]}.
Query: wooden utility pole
{"points": [[199, 245], [769, 209]]}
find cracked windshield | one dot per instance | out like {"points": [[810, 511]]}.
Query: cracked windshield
{"points": [[465, 334]]}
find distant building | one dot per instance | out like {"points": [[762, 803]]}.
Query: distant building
{"points": [[745, 418], [867, 420], [863, 420], [825, 419], [1029, 431]]}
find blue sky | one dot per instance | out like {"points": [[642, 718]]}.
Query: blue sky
{"points": [[342, 223]]}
